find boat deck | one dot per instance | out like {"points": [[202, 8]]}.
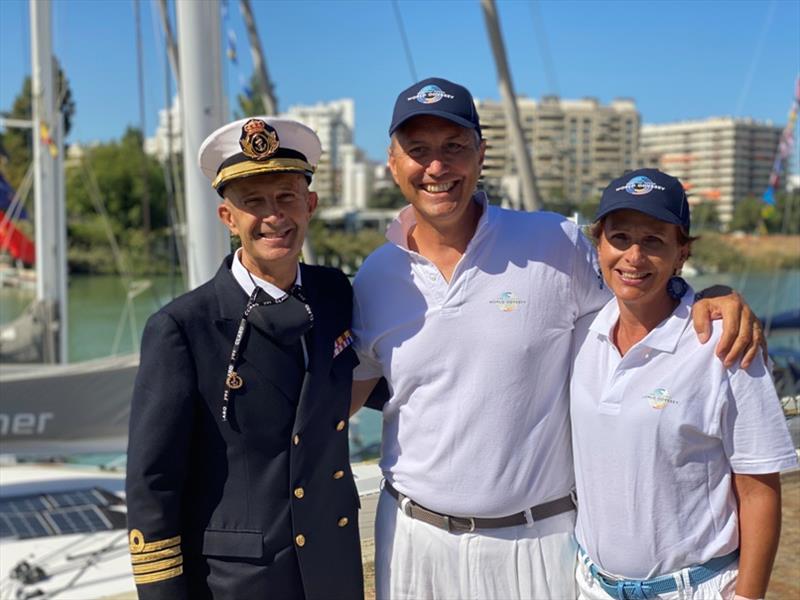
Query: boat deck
{"points": [[785, 581]]}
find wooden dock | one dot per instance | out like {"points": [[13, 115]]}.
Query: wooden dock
{"points": [[785, 583]]}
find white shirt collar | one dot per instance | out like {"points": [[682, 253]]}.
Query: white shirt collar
{"points": [[398, 230], [248, 281], [664, 337]]}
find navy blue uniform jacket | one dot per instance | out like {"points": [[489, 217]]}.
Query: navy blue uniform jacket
{"points": [[261, 506]]}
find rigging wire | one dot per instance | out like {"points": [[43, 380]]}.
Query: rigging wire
{"points": [[172, 182], [756, 57], [143, 129], [409, 59], [544, 48], [169, 166]]}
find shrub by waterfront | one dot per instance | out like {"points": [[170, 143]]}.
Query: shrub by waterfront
{"points": [[739, 252]]}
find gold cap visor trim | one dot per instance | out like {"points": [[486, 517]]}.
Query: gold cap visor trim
{"points": [[247, 168], [160, 576], [138, 545], [157, 566], [151, 556]]}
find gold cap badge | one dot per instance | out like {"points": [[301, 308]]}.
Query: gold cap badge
{"points": [[258, 140]]}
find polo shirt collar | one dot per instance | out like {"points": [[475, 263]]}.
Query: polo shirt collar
{"points": [[663, 338], [398, 230]]}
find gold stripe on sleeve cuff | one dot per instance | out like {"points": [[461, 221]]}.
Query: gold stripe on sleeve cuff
{"points": [[138, 546], [151, 556], [157, 566], [160, 576]]}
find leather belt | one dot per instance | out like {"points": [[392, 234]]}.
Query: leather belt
{"points": [[466, 524]]}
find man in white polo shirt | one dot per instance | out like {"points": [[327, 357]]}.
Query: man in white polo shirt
{"points": [[468, 313]]}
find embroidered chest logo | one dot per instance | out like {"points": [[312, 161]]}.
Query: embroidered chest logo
{"points": [[342, 342], [507, 302], [659, 398]]}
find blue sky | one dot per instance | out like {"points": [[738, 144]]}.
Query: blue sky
{"points": [[677, 60]]}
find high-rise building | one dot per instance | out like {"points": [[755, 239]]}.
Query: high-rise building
{"points": [[578, 146], [342, 176], [168, 137], [721, 159]]}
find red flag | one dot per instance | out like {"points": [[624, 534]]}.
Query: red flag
{"points": [[15, 242]]}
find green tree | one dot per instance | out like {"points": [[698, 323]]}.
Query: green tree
{"points": [[116, 169], [18, 143], [784, 217], [343, 249], [747, 215], [390, 197], [250, 104], [705, 217], [588, 208]]}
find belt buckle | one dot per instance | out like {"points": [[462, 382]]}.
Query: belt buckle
{"points": [[450, 521]]}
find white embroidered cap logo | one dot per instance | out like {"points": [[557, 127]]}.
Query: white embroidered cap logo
{"points": [[430, 94]]}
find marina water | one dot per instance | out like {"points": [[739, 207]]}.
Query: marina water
{"points": [[101, 324]]}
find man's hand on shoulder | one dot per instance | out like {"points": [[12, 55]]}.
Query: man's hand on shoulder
{"points": [[742, 335]]}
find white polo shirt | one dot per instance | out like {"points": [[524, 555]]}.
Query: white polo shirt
{"points": [[656, 434], [478, 421]]}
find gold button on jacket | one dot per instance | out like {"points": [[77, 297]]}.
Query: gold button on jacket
{"points": [[299, 492], [300, 540], [340, 426], [338, 474], [343, 522]]}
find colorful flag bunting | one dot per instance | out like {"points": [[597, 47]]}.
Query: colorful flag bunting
{"points": [[785, 146], [44, 135]]}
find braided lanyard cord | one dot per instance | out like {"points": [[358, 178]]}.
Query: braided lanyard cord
{"points": [[233, 380]]}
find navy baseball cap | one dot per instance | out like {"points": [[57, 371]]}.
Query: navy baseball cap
{"points": [[437, 97], [649, 191]]}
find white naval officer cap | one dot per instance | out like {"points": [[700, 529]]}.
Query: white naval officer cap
{"points": [[257, 145]]}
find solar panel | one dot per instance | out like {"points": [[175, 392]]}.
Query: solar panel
{"points": [[80, 511], [24, 525]]}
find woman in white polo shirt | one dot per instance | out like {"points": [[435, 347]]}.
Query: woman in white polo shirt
{"points": [[677, 457]]}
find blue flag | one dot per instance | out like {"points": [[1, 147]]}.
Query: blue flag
{"points": [[7, 199], [769, 196]]}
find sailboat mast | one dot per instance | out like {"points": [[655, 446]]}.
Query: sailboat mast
{"points": [[267, 91], [530, 196], [259, 64], [50, 219], [199, 38]]}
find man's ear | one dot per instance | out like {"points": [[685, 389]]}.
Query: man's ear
{"points": [[391, 162], [226, 216], [313, 200], [482, 151]]}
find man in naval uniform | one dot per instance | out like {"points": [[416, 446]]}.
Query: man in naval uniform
{"points": [[239, 482]]}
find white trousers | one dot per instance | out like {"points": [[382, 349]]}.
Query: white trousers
{"points": [[720, 587], [416, 561]]}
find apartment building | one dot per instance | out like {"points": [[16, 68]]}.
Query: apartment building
{"points": [[721, 159], [578, 146], [343, 175]]}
